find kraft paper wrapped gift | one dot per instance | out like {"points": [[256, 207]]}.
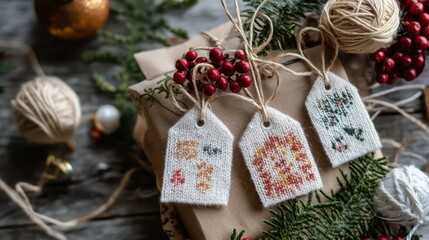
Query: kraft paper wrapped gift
{"points": [[157, 114]]}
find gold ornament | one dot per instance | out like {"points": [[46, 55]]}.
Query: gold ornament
{"points": [[72, 19]]}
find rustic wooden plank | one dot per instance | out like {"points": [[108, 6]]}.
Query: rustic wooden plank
{"points": [[129, 228], [397, 127]]}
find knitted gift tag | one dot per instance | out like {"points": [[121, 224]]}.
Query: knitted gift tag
{"points": [[279, 158], [341, 120], [198, 161]]}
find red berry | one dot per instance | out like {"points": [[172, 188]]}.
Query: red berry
{"points": [[367, 239], [383, 238], [414, 28], [397, 56], [182, 64], [234, 87], [424, 19], [405, 4], [179, 77], [245, 80], [406, 61], [246, 239], [388, 63], [398, 238], [377, 56], [416, 9], [213, 74], [418, 60], [191, 55], [405, 42], [242, 67], [239, 54], [217, 64], [421, 42], [227, 68], [201, 60], [222, 83], [382, 78], [410, 74], [191, 65], [216, 55], [393, 77], [426, 32], [209, 89]]}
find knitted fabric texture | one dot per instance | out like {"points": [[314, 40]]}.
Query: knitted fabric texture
{"points": [[198, 161], [279, 158], [341, 120]]}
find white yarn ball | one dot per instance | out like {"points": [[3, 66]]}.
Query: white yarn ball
{"points": [[403, 196], [46, 110], [107, 119]]}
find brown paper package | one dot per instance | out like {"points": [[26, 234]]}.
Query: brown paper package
{"points": [[244, 210]]}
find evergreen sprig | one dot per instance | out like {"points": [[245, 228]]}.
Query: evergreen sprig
{"points": [[143, 23], [286, 15], [5, 67], [348, 214]]}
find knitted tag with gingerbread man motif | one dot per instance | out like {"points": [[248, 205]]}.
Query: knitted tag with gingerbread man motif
{"points": [[198, 161], [341, 120], [279, 158]]}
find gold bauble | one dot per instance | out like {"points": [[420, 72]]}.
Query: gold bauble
{"points": [[72, 19]]}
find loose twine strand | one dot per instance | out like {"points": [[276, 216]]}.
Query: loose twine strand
{"points": [[20, 197], [259, 68], [29, 102]]}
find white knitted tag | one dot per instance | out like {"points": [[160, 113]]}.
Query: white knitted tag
{"points": [[279, 159], [341, 120], [198, 161]]}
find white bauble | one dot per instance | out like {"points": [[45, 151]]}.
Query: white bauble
{"points": [[107, 119]]}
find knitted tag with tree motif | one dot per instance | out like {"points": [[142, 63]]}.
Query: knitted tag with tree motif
{"points": [[198, 161], [279, 158], [341, 120]]}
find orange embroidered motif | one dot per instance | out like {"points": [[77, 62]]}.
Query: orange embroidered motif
{"points": [[186, 149], [289, 175], [204, 177]]}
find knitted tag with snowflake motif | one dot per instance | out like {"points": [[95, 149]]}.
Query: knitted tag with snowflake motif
{"points": [[198, 161], [341, 120], [279, 158]]}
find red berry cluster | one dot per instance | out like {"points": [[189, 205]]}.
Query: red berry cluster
{"points": [[226, 72], [406, 58], [384, 238]]}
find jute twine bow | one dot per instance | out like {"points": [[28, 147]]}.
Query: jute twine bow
{"points": [[260, 69]]}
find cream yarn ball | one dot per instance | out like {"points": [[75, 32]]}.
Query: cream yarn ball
{"points": [[403, 197], [46, 110], [360, 26]]}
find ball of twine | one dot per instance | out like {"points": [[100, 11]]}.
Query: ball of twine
{"points": [[360, 26], [46, 110], [403, 197]]}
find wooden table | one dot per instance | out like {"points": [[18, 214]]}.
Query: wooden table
{"points": [[132, 217]]}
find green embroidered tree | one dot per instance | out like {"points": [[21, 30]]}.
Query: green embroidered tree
{"points": [[354, 132], [348, 214], [335, 105]]}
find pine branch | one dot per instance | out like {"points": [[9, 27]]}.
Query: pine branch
{"points": [[348, 214], [5, 67], [286, 16]]}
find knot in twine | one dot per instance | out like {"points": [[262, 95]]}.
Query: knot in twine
{"points": [[259, 69], [46, 110], [403, 197], [360, 26]]}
